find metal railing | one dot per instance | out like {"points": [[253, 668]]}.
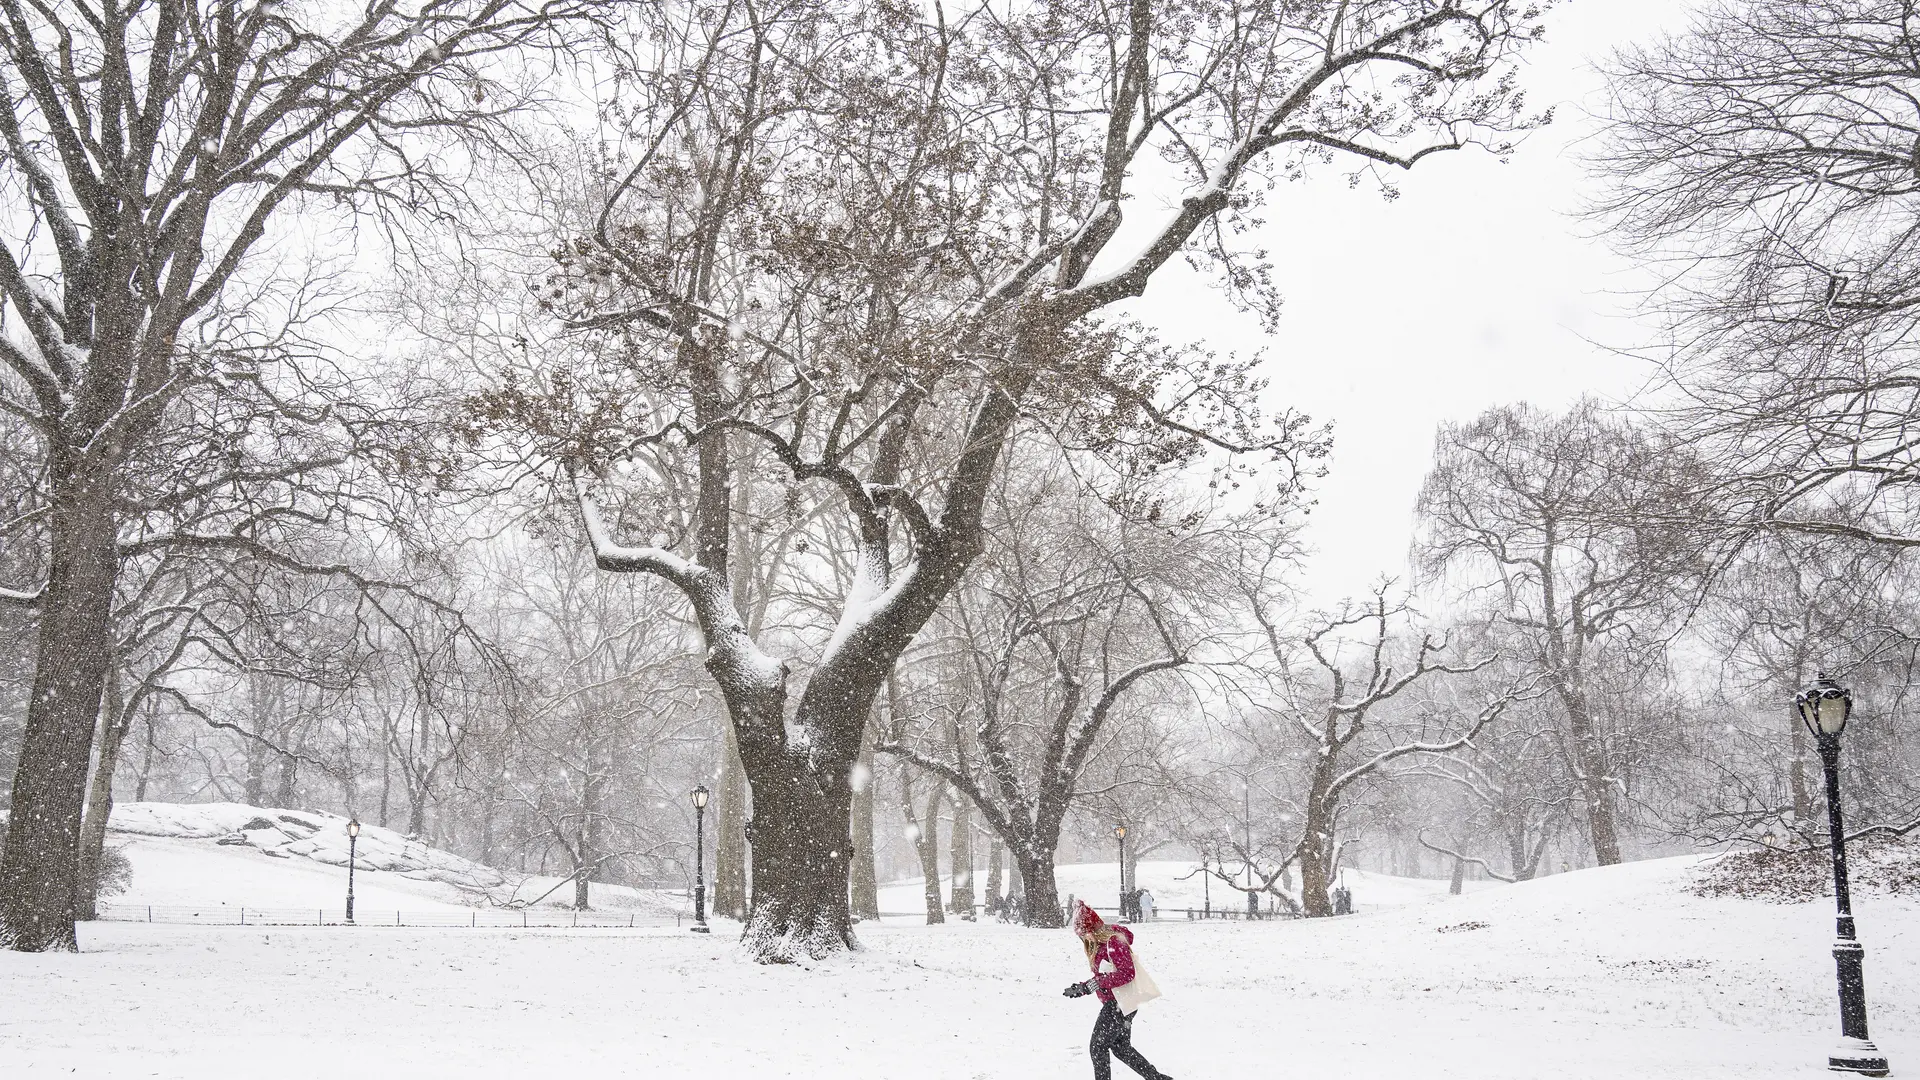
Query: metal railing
{"points": [[475, 918]]}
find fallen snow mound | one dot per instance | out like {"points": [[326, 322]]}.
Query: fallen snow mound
{"points": [[1875, 864]]}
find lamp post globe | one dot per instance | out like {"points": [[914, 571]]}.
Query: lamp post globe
{"points": [[353, 841], [1825, 708], [699, 795]]}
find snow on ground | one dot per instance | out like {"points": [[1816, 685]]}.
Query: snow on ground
{"points": [[206, 860], [1606, 974]]}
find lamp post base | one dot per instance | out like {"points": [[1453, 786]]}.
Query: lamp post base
{"points": [[700, 928], [1857, 1056]]}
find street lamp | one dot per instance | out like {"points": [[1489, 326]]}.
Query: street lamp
{"points": [[700, 860], [1120, 834], [1206, 886], [353, 842], [1824, 708]]}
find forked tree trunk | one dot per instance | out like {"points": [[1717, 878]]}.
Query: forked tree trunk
{"points": [[39, 875]]}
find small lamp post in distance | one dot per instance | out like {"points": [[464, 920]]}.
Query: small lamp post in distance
{"points": [[699, 796], [1120, 834], [1824, 707], [353, 842]]}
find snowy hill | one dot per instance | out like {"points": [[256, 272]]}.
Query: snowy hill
{"points": [[205, 860], [1621, 973]]}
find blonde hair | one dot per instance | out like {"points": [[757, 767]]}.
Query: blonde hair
{"points": [[1093, 939]]}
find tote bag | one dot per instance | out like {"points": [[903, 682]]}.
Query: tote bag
{"points": [[1138, 991]]}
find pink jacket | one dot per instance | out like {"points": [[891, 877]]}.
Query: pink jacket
{"points": [[1119, 950]]}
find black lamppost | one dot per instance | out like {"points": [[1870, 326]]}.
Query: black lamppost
{"points": [[1824, 708], [1120, 834], [1206, 886], [353, 842], [700, 860]]}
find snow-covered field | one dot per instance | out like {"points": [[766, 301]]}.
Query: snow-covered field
{"points": [[1612, 973]]}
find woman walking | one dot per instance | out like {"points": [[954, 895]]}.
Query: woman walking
{"points": [[1110, 947]]}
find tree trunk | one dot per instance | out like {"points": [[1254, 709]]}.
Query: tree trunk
{"points": [[73, 653], [1040, 894], [801, 851], [1797, 769], [960, 858], [284, 794], [730, 833], [582, 883], [866, 889], [255, 792], [146, 755], [1316, 856], [1596, 782], [1459, 879], [114, 721], [926, 842], [995, 856], [386, 784]]}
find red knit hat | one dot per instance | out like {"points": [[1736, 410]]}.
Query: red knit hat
{"points": [[1085, 919]]}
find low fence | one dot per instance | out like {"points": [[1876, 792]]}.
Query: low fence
{"points": [[513, 918], [474, 918]]}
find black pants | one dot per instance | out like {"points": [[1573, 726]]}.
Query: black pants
{"points": [[1113, 1034]]}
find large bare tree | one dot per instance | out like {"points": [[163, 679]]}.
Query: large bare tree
{"points": [[870, 238], [151, 151]]}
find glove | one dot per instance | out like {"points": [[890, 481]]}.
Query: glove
{"points": [[1078, 989]]}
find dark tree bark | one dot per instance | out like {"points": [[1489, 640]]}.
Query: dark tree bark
{"points": [[960, 857], [866, 889], [925, 828], [730, 835]]}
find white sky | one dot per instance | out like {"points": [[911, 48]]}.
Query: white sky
{"points": [[1475, 288]]}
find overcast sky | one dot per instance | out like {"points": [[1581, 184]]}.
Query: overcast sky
{"points": [[1475, 288]]}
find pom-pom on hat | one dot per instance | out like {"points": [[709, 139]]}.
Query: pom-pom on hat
{"points": [[1085, 919]]}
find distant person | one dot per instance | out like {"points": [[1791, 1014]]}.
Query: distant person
{"points": [[1110, 956], [1143, 905]]}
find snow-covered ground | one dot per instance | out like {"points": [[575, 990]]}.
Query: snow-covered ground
{"points": [[1611, 973]]}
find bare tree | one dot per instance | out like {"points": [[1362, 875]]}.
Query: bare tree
{"points": [[1764, 158], [153, 147], [1580, 530], [876, 285], [1070, 621], [1346, 711]]}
